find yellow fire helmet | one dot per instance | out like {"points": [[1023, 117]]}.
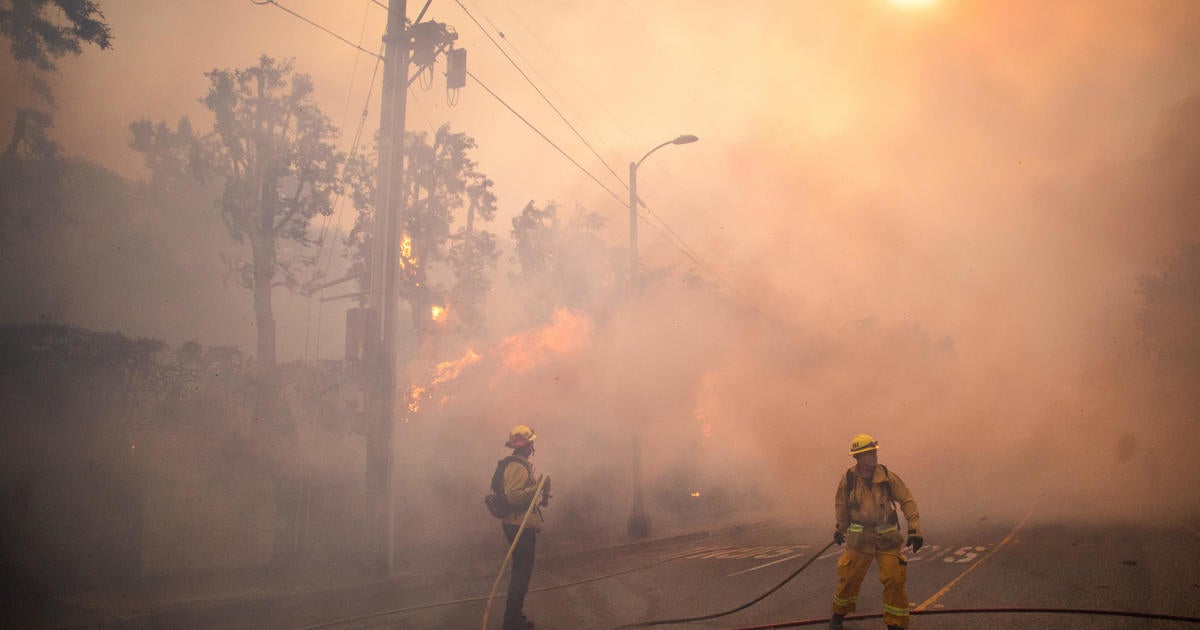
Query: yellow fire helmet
{"points": [[520, 435], [863, 443]]}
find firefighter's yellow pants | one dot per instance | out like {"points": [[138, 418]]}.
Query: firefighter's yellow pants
{"points": [[893, 572]]}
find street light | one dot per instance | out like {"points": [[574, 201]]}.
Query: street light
{"points": [[633, 201], [639, 522]]}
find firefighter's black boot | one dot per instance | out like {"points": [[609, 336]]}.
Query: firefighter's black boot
{"points": [[835, 622], [894, 628]]}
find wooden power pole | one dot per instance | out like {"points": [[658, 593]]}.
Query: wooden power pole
{"points": [[404, 45], [384, 294]]}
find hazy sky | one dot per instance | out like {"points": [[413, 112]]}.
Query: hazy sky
{"points": [[909, 156], [978, 171]]}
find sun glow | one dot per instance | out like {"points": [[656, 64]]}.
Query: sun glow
{"points": [[913, 4]]}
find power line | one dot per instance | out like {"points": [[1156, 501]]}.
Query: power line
{"points": [[564, 66], [669, 235], [343, 39], [489, 91], [354, 152], [544, 137], [334, 218], [424, 114], [538, 90], [345, 113], [678, 240]]}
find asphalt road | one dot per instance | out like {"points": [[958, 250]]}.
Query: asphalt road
{"points": [[1019, 564], [1145, 569]]}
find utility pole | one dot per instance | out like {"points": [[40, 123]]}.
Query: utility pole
{"points": [[384, 295], [404, 45]]}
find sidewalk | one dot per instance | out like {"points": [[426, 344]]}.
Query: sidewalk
{"points": [[138, 605]]}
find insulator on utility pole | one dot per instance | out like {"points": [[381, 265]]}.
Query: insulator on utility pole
{"points": [[456, 68]]}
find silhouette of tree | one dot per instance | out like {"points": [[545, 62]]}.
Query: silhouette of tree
{"points": [[272, 149], [562, 263]]}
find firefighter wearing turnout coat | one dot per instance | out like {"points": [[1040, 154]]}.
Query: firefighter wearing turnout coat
{"points": [[519, 485], [867, 523]]}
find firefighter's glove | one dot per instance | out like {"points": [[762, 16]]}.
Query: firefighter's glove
{"points": [[839, 538], [915, 542]]}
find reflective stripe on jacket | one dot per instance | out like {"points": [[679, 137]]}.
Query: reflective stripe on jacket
{"points": [[869, 516], [519, 485]]}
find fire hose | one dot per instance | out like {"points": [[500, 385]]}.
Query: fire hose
{"points": [[661, 622], [537, 493], [963, 611], [940, 611]]}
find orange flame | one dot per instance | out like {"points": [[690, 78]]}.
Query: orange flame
{"points": [[406, 252], [521, 352], [414, 401], [438, 313], [449, 370], [445, 371], [567, 332]]}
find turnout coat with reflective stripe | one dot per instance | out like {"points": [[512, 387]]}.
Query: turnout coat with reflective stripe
{"points": [[868, 515], [519, 484]]}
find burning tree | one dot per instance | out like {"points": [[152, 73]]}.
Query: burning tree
{"points": [[441, 181]]}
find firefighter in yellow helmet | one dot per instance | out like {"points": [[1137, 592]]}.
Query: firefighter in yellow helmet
{"points": [[865, 510], [519, 485]]}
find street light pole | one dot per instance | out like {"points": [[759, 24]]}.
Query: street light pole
{"points": [[633, 204], [639, 522]]}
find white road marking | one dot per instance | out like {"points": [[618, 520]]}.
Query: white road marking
{"points": [[763, 566]]}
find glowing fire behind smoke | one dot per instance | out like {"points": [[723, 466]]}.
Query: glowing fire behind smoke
{"points": [[438, 313], [567, 332], [406, 255]]}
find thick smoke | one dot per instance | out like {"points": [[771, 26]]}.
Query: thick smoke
{"points": [[934, 227]]}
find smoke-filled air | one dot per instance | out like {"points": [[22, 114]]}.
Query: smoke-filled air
{"points": [[250, 328]]}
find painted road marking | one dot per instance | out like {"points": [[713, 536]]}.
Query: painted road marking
{"points": [[773, 562], [759, 552], [952, 554], [946, 589]]}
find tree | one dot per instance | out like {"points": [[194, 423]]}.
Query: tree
{"points": [[31, 169], [40, 35], [562, 264], [42, 31], [172, 155], [441, 181], [272, 149]]}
